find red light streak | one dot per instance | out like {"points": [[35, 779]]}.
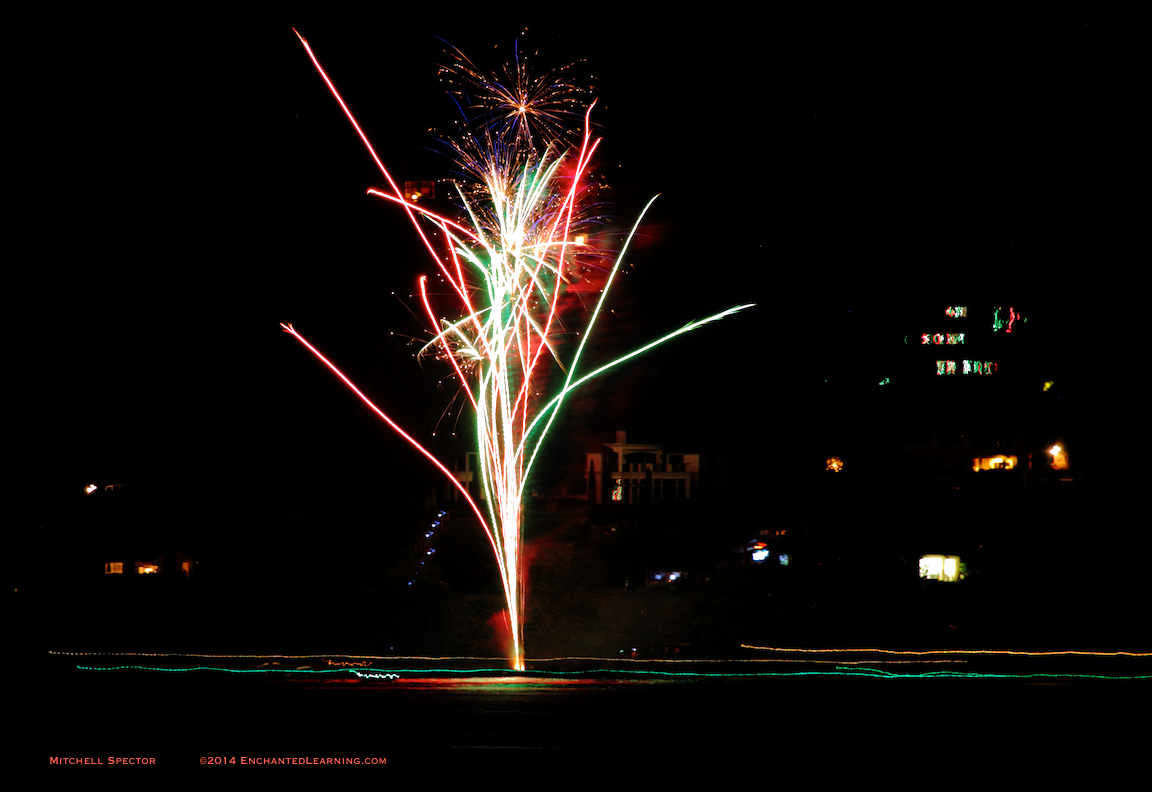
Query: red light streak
{"points": [[363, 137], [292, 331]]}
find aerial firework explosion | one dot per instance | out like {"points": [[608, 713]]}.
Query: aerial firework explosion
{"points": [[522, 243]]}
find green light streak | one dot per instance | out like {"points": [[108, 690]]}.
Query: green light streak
{"points": [[569, 387], [422, 673], [216, 668]]}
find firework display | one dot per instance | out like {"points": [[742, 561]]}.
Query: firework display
{"points": [[515, 260]]}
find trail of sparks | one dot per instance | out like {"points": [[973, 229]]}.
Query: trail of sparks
{"points": [[609, 669], [483, 675], [522, 238], [911, 653], [289, 329], [633, 660]]}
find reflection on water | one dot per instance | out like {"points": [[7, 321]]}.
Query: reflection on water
{"points": [[499, 684], [182, 710]]}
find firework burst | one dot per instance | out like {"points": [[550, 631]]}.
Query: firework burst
{"points": [[518, 248], [514, 108]]}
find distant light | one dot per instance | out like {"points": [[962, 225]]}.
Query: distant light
{"points": [[90, 489], [760, 555], [940, 567], [1001, 462], [1054, 450]]}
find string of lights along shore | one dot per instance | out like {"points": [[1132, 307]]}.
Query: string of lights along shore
{"points": [[521, 250]]}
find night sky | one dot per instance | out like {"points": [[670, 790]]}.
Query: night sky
{"points": [[217, 190], [187, 183], [203, 186]]}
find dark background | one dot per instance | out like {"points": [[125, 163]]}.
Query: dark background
{"points": [[196, 185]]}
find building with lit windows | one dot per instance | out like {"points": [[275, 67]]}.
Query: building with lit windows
{"points": [[629, 472], [956, 392]]}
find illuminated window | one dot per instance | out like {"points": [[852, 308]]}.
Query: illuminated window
{"points": [[998, 319], [114, 568], [143, 568], [998, 462], [940, 567], [420, 190], [985, 367]]}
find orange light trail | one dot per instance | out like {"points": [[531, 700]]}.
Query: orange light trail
{"points": [[948, 651]]}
